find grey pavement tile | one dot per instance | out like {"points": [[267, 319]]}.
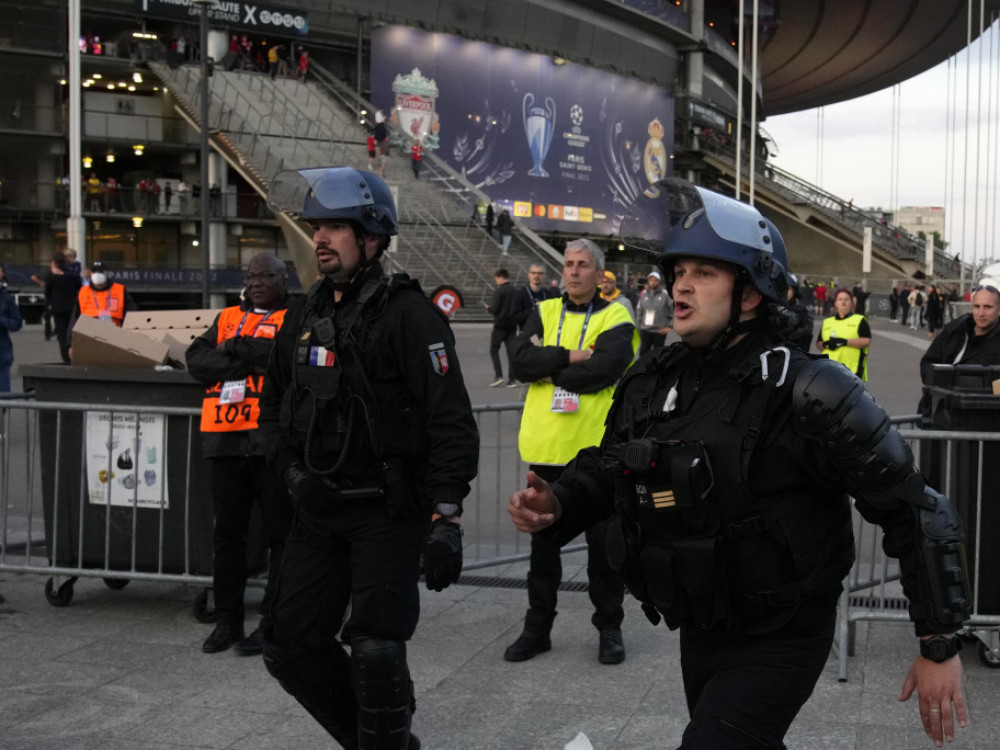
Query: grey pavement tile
{"points": [[113, 651], [294, 733], [828, 735], [79, 720], [192, 726], [19, 705], [43, 677], [29, 644], [652, 731], [252, 689]]}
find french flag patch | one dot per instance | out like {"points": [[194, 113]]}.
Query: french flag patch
{"points": [[439, 358], [320, 357]]}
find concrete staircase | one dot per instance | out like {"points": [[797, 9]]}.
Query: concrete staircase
{"points": [[262, 126]]}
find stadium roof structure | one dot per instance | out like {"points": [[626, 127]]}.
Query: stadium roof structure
{"points": [[819, 52]]}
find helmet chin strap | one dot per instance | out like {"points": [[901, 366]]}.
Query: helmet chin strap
{"points": [[361, 268]]}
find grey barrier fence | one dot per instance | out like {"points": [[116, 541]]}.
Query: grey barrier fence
{"points": [[53, 523], [56, 519]]}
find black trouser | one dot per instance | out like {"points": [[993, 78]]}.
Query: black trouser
{"points": [[650, 340], [506, 337], [238, 483], [904, 314], [371, 562], [60, 322], [607, 592], [744, 692]]}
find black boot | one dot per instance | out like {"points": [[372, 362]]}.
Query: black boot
{"points": [[528, 645], [225, 636], [611, 649], [384, 692]]}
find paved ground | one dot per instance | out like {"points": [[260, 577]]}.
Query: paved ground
{"points": [[123, 670]]}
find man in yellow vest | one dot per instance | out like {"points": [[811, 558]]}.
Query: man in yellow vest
{"points": [[230, 358], [104, 299], [572, 349]]}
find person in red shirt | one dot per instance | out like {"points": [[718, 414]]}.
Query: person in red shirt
{"points": [[303, 66], [416, 154], [371, 149]]}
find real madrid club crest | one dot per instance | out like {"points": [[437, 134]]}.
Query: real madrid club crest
{"points": [[654, 159], [414, 111]]}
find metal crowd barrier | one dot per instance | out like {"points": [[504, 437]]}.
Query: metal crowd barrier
{"points": [[872, 591], [52, 525]]}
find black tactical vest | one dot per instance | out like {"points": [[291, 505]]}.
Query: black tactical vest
{"points": [[697, 535]]}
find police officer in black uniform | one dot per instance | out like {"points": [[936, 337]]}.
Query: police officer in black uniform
{"points": [[727, 466], [370, 426]]}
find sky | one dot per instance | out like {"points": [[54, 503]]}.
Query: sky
{"points": [[847, 148]]}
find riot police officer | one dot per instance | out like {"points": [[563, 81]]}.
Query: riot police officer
{"points": [[370, 426], [726, 467]]}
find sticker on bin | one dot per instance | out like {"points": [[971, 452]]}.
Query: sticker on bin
{"points": [[123, 451]]}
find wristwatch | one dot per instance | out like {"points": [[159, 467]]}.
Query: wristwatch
{"points": [[448, 509], [940, 648]]}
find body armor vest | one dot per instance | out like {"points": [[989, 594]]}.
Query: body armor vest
{"points": [[691, 538]]}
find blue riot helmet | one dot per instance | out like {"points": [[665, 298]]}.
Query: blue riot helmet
{"points": [[676, 219], [335, 193]]}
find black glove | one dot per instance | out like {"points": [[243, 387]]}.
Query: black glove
{"points": [[834, 343], [309, 491], [442, 564]]}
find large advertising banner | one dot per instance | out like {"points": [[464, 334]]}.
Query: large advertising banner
{"points": [[563, 147]]}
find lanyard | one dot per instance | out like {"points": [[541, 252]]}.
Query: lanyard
{"points": [[97, 303], [251, 334], [586, 322]]}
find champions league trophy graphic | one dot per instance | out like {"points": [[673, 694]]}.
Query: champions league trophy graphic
{"points": [[539, 126]]}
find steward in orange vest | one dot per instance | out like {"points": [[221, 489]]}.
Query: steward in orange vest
{"points": [[102, 300], [230, 359]]}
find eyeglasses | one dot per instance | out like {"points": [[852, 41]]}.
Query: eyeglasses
{"points": [[252, 277], [987, 287]]}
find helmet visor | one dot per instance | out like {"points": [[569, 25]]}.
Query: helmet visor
{"points": [[289, 191], [654, 214]]}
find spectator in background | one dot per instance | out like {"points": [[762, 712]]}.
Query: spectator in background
{"points": [[10, 320], [894, 302], [860, 298], [972, 339], [303, 66], [904, 305], [819, 294], [654, 312], [490, 218], [503, 308], [94, 193], [916, 300], [611, 292], [215, 199], [72, 264], [168, 194], [154, 196], [505, 226], [61, 290], [371, 149], [534, 292], [416, 154], [183, 191], [934, 314]]}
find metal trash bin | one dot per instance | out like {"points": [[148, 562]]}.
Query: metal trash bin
{"points": [[149, 513], [960, 398]]}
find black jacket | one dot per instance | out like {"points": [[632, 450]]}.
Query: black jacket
{"points": [[957, 344], [504, 307], [394, 356]]}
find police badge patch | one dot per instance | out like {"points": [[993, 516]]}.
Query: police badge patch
{"points": [[439, 358]]}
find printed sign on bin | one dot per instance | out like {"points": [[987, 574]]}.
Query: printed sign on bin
{"points": [[126, 454]]}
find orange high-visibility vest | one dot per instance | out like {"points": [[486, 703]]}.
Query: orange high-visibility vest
{"points": [[110, 302], [218, 417]]}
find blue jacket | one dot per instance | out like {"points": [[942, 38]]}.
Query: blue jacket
{"points": [[10, 320]]}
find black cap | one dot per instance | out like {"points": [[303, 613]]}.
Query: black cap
{"points": [[97, 265]]}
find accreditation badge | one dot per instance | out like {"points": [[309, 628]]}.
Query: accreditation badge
{"points": [[233, 391], [565, 401]]}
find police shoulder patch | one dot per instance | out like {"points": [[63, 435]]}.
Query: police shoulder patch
{"points": [[439, 358]]}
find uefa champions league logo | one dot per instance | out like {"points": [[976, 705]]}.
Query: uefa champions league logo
{"points": [[539, 126]]}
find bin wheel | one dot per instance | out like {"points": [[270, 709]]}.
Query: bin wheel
{"points": [[63, 595], [989, 657], [200, 608], [116, 584], [967, 635]]}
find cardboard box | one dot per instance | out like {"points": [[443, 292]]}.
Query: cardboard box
{"points": [[175, 328], [154, 320], [100, 343]]}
